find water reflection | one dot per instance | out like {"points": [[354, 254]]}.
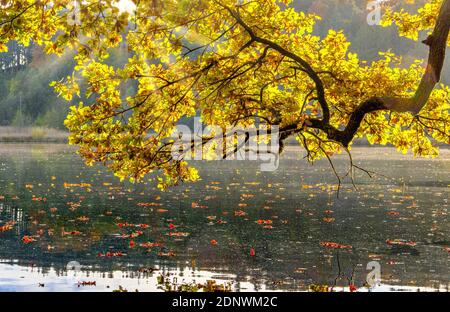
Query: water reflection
{"points": [[259, 231]]}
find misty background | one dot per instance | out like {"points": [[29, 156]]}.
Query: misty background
{"points": [[27, 100]]}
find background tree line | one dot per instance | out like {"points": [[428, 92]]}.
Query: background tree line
{"points": [[26, 72]]}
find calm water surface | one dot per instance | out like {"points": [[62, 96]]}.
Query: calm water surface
{"points": [[129, 235]]}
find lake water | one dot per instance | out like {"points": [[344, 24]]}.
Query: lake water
{"points": [[247, 229]]}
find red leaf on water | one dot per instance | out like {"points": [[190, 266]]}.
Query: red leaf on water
{"points": [[28, 239], [87, 284], [7, 227], [400, 242], [111, 254], [168, 254], [239, 213], [151, 245], [335, 245]]}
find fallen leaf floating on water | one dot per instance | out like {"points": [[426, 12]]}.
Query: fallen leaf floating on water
{"points": [[70, 185], [34, 198], [335, 245], [178, 234], [149, 204], [71, 233], [132, 235], [252, 183], [130, 225], [87, 284], [7, 227], [123, 225], [73, 205], [400, 243], [111, 254], [150, 245], [239, 213], [166, 254], [197, 205], [28, 239]]}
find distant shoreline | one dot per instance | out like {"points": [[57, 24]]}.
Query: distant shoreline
{"points": [[32, 140], [10, 134]]}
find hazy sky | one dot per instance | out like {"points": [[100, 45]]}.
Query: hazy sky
{"points": [[126, 5]]}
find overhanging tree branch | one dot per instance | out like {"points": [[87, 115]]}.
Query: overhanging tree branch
{"points": [[437, 42], [303, 63]]}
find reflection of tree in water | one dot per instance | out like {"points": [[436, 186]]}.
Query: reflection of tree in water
{"points": [[288, 256], [14, 214]]}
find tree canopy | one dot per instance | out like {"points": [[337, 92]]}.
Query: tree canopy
{"points": [[232, 63]]}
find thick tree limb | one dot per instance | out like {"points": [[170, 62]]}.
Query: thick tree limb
{"points": [[304, 64], [437, 42]]}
